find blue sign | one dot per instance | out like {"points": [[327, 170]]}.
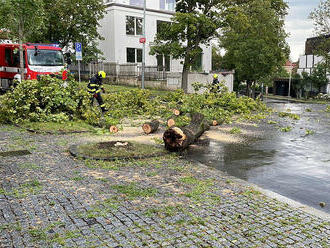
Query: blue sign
{"points": [[78, 48]]}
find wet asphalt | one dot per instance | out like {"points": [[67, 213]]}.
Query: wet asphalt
{"points": [[294, 164]]}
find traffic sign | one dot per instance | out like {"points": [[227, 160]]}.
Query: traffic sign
{"points": [[142, 40], [78, 48]]}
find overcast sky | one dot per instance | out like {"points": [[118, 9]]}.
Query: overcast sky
{"points": [[299, 26]]}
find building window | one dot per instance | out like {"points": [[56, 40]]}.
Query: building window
{"points": [[139, 55], [134, 25], [134, 55], [167, 5], [136, 2], [160, 62], [162, 26]]}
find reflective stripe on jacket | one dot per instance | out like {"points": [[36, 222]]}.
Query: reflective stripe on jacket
{"points": [[95, 84]]}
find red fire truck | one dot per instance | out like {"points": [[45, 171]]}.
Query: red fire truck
{"points": [[39, 59]]}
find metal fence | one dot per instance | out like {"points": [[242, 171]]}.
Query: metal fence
{"points": [[128, 70], [152, 73], [117, 71]]}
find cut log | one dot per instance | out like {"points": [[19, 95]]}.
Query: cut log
{"points": [[150, 127], [214, 123], [176, 112], [113, 129], [178, 139], [171, 121], [175, 119]]}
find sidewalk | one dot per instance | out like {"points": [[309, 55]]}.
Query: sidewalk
{"points": [[49, 199], [291, 99]]}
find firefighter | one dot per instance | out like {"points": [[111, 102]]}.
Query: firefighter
{"points": [[95, 87], [215, 84]]}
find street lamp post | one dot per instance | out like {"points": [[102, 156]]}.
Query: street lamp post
{"points": [[144, 44]]}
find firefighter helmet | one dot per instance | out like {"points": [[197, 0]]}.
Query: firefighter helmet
{"points": [[215, 76], [101, 74]]}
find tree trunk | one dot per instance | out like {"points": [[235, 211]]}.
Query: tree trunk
{"points": [[185, 73], [150, 127], [248, 88], [254, 90], [21, 58], [178, 139]]}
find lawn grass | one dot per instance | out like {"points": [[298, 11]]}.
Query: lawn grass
{"points": [[111, 88], [133, 149]]}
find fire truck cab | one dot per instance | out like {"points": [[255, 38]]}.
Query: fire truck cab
{"points": [[39, 59]]}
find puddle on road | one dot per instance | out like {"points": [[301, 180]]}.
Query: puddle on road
{"points": [[292, 163]]}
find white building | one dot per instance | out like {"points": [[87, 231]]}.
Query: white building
{"points": [[122, 30], [309, 61]]}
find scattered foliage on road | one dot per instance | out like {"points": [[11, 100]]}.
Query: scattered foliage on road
{"points": [[52, 100]]}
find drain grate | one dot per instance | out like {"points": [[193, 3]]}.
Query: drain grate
{"points": [[15, 153]]}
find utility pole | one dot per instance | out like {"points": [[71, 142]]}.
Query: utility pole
{"points": [[144, 44]]}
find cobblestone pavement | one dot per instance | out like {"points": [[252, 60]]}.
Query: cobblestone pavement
{"points": [[49, 199]]}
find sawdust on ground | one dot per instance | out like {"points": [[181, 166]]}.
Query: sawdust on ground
{"points": [[128, 133]]}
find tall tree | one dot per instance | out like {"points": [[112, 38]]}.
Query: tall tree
{"points": [[194, 24], [319, 76], [254, 38], [321, 17], [21, 18], [69, 21]]}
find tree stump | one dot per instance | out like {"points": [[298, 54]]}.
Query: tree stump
{"points": [[178, 139], [150, 127]]}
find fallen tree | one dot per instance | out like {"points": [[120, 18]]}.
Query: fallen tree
{"points": [[178, 139]]}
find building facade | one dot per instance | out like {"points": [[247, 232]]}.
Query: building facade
{"points": [[122, 29], [309, 61]]}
